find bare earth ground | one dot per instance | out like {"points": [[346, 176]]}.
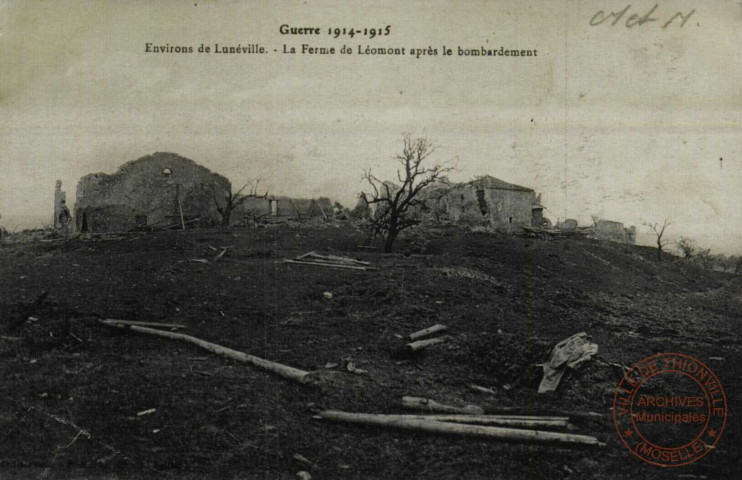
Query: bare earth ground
{"points": [[507, 299]]}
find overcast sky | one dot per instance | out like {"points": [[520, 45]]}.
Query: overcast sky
{"points": [[627, 124]]}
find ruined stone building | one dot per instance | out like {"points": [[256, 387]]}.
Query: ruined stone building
{"points": [[274, 207], [155, 190], [602, 230], [613, 232], [489, 202]]}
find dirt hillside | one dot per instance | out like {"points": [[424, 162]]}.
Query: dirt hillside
{"points": [[81, 400]]}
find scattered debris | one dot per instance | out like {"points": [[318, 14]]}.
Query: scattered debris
{"points": [[497, 433], [284, 371], [146, 412], [462, 272], [351, 367], [477, 388], [332, 261], [327, 295], [199, 260], [303, 475], [302, 459], [571, 352], [426, 332], [426, 404]]}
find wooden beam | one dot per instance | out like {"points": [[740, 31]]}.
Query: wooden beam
{"points": [[284, 371], [329, 265], [488, 420], [114, 321], [420, 344], [437, 328], [494, 433]]}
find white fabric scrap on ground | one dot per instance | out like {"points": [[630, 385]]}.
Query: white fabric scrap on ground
{"points": [[571, 353]]}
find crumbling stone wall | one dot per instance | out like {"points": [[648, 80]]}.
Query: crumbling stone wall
{"points": [[631, 235], [62, 219], [613, 232], [150, 191]]}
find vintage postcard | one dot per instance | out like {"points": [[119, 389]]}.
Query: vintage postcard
{"points": [[370, 240]]}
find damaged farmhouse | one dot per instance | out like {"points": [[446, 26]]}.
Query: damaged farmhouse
{"points": [[158, 189], [489, 202], [167, 190]]}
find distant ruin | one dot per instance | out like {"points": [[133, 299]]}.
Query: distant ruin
{"points": [[607, 230], [154, 190], [612, 232]]}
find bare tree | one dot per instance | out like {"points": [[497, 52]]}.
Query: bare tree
{"points": [[659, 231], [395, 204], [687, 247], [234, 200]]}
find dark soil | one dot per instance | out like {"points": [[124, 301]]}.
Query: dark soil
{"points": [[507, 300]]}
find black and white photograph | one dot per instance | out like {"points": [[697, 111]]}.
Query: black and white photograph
{"points": [[324, 239]]}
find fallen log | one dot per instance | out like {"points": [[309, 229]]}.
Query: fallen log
{"points": [[420, 344], [114, 321], [284, 371], [495, 433], [437, 328], [487, 420]]}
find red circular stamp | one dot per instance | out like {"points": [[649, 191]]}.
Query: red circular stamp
{"points": [[670, 409]]}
